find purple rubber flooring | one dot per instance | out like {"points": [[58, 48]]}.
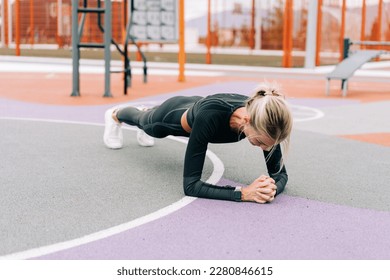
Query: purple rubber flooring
{"points": [[288, 228]]}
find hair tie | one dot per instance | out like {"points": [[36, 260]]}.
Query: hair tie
{"points": [[262, 93], [271, 92]]}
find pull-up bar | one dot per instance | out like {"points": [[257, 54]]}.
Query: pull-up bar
{"points": [[348, 42], [370, 43]]}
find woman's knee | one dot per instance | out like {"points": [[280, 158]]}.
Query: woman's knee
{"points": [[129, 115]]}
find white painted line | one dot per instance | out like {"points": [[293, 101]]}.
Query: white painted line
{"points": [[42, 67], [306, 114], [95, 66], [40, 251]]}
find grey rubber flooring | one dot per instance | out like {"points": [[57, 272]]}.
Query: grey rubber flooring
{"points": [[59, 181], [326, 168]]}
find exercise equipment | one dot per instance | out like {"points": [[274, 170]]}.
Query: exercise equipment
{"points": [[77, 33], [352, 62]]}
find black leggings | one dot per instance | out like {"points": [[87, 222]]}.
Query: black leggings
{"points": [[162, 120]]}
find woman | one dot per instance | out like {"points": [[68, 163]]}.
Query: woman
{"points": [[264, 119]]}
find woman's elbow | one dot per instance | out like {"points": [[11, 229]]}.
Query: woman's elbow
{"points": [[189, 189], [190, 186]]}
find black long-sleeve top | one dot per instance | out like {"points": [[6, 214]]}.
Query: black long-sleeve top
{"points": [[209, 119]]}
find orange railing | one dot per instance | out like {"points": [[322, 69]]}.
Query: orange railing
{"points": [[282, 25]]}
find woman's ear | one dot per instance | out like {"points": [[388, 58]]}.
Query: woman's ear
{"points": [[246, 119]]}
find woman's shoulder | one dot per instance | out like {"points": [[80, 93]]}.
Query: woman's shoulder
{"points": [[228, 100], [216, 107], [228, 96]]}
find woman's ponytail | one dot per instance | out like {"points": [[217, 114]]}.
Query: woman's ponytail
{"points": [[269, 113]]}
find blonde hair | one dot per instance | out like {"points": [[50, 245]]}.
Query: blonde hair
{"points": [[270, 114]]}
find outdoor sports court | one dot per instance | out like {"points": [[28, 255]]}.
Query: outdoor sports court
{"points": [[66, 196]]}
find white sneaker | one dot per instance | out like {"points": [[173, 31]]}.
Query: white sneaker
{"points": [[113, 136], [144, 140]]}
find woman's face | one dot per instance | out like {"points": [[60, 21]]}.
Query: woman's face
{"points": [[259, 139]]}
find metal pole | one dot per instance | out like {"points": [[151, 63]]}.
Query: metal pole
{"points": [[311, 35], [10, 20], [319, 30], [287, 33], [182, 53], [123, 37], [75, 50], [346, 44], [208, 38], [327, 87], [380, 9], [17, 27], [59, 23], [32, 27], [363, 27], [258, 26], [342, 29], [107, 48], [370, 43], [252, 28], [9, 23], [2, 13]]}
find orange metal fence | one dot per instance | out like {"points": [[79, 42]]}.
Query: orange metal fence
{"points": [[359, 20], [282, 26], [49, 22]]}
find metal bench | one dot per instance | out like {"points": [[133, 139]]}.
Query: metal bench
{"points": [[345, 69]]}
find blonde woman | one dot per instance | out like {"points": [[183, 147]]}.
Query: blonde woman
{"points": [[264, 119]]}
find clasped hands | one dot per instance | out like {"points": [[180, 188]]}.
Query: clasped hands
{"points": [[262, 190]]}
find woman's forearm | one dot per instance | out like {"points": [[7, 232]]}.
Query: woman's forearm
{"points": [[193, 186]]}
